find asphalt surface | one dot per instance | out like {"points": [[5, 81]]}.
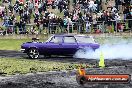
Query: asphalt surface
{"points": [[63, 79]]}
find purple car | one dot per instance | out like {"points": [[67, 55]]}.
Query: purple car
{"points": [[59, 45]]}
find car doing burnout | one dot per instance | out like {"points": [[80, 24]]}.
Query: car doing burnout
{"points": [[59, 45]]}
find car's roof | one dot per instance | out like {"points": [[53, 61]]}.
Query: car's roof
{"points": [[62, 35]]}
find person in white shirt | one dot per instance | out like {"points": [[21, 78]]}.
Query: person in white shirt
{"points": [[69, 24], [88, 27], [117, 17], [92, 7], [51, 15]]}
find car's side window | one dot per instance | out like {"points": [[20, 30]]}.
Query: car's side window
{"points": [[56, 39], [69, 40]]}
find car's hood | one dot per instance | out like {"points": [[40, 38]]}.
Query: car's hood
{"points": [[32, 42], [26, 44]]}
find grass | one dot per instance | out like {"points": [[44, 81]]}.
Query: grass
{"points": [[11, 44], [12, 66], [15, 44]]}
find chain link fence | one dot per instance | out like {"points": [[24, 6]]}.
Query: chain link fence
{"points": [[96, 27]]}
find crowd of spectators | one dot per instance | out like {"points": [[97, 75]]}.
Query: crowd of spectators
{"points": [[82, 15]]}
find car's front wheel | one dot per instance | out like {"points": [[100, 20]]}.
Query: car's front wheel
{"points": [[33, 53]]}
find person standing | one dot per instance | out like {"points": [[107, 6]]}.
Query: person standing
{"points": [[88, 27], [65, 21], [129, 16], [44, 6], [20, 10], [31, 6], [103, 4]]}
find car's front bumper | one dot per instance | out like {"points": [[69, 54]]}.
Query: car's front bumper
{"points": [[22, 50]]}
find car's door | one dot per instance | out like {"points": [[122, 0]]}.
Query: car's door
{"points": [[69, 45], [54, 46]]}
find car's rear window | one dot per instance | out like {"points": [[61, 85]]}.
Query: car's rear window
{"points": [[84, 39]]}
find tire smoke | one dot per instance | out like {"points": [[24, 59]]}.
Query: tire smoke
{"points": [[122, 50]]}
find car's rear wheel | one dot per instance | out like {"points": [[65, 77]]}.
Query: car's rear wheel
{"points": [[33, 53], [79, 53]]}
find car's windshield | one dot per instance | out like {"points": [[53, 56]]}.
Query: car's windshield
{"points": [[56, 39], [49, 39], [84, 39]]}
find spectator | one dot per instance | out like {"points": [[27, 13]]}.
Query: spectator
{"points": [[65, 21], [44, 6], [16, 24], [10, 8], [36, 16], [47, 14], [126, 12], [39, 7], [31, 6], [93, 12], [109, 22], [20, 10], [88, 27], [80, 14], [6, 21], [69, 25], [130, 21], [92, 7], [11, 19], [51, 15], [66, 12], [61, 25], [114, 10]]}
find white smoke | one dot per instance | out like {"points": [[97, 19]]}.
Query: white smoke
{"points": [[120, 50]]}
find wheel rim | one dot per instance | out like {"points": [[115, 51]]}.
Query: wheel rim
{"points": [[33, 53]]}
